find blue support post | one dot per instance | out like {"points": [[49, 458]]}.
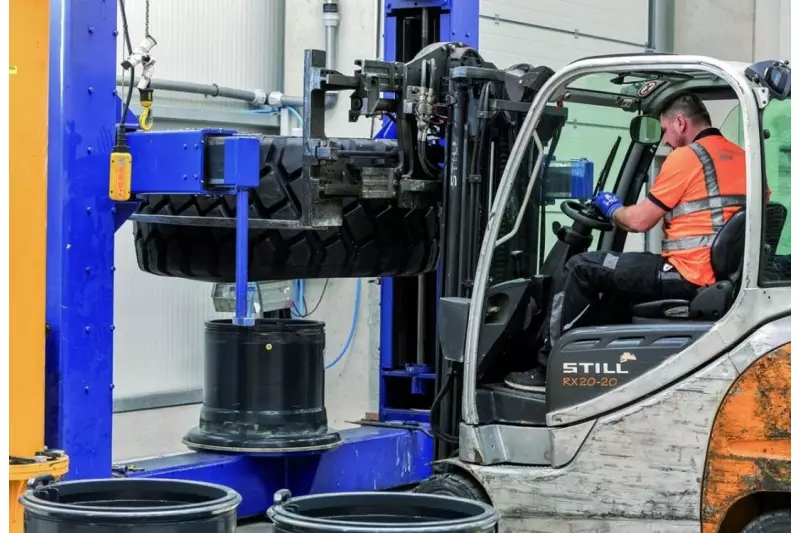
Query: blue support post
{"points": [[80, 234], [458, 21], [242, 317], [241, 171]]}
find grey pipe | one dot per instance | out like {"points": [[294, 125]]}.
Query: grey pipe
{"points": [[330, 17], [254, 97], [661, 33], [331, 32], [278, 99], [330, 14], [661, 25]]}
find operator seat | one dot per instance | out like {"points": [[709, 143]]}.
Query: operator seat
{"points": [[727, 252]]}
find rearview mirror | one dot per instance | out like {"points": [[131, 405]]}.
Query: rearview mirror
{"points": [[646, 130]]}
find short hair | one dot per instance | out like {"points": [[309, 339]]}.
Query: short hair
{"points": [[690, 106]]}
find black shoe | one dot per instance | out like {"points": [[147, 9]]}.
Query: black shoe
{"points": [[528, 381]]}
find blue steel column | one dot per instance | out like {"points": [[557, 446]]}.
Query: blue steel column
{"points": [[242, 317], [80, 234], [459, 21]]}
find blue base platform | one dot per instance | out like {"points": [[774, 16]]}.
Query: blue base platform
{"points": [[368, 459]]}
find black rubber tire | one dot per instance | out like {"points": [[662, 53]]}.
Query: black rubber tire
{"points": [[453, 484], [375, 239], [772, 522]]}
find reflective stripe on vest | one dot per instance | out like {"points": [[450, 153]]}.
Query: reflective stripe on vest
{"points": [[714, 204]]}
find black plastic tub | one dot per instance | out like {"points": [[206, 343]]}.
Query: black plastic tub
{"points": [[264, 389], [380, 512], [141, 505]]}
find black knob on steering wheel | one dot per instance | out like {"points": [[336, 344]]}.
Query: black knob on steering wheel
{"points": [[586, 214]]}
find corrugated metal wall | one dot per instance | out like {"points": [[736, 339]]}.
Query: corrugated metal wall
{"points": [[233, 43], [557, 33], [158, 344]]}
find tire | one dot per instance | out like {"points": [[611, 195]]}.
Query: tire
{"points": [[453, 484], [375, 239], [772, 522]]}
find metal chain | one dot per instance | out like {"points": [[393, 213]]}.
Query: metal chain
{"points": [[147, 18]]}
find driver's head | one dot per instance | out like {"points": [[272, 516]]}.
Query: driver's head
{"points": [[682, 119]]}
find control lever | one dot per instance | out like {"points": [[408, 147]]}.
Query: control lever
{"points": [[521, 268]]}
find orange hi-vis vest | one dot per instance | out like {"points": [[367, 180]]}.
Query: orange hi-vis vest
{"points": [[700, 186]]}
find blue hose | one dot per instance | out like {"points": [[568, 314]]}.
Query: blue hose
{"points": [[299, 311], [294, 112], [298, 298], [353, 325]]}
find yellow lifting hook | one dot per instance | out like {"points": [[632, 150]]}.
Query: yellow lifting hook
{"points": [[146, 116]]}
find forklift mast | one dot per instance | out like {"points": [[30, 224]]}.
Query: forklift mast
{"points": [[453, 118]]}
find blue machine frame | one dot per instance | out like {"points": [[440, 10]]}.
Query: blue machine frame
{"points": [[81, 221], [454, 25]]}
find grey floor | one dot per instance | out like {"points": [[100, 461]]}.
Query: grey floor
{"points": [[255, 528]]}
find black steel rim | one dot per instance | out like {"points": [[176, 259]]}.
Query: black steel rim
{"points": [[227, 501], [267, 325], [289, 513]]}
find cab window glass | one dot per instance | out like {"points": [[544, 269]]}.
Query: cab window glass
{"points": [[776, 262], [777, 234], [572, 163], [586, 143]]}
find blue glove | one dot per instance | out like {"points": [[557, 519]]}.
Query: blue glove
{"points": [[607, 203]]}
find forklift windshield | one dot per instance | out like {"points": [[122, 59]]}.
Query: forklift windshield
{"points": [[579, 160]]}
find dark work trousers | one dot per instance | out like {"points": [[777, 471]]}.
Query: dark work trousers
{"points": [[598, 288]]}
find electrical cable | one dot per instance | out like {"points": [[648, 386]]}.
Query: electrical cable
{"points": [[434, 412], [127, 36], [302, 298]]}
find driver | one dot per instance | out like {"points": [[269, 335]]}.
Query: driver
{"points": [[700, 185]]}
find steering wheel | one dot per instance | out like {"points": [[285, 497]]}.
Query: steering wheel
{"points": [[586, 214]]}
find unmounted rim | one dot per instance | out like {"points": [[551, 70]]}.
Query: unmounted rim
{"points": [[200, 440], [479, 516], [220, 500], [267, 325]]}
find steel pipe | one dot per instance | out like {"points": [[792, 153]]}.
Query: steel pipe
{"points": [[254, 97]]}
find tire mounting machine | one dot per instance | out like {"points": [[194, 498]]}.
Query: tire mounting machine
{"points": [[81, 221]]}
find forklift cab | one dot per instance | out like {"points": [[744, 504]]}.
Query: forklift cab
{"points": [[612, 104]]}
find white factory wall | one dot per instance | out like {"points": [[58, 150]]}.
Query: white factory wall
{"points": [[159, 322], [736, 30], [351, 385], [158, 344], [233, 43], [159, 334]]}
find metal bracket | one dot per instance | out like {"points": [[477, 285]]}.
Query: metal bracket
{"points": [[762, 96], [219, 222]]}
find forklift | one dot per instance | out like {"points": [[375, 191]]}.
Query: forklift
{"points": [[676, 421]]}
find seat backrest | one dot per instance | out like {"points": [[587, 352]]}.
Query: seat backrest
{"points": [[774, 221], [727, 249]]}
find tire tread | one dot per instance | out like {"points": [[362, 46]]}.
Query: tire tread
{"points": [[375, 239]]}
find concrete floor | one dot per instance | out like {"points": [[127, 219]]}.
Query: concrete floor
{"points": [[256, 528]]}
